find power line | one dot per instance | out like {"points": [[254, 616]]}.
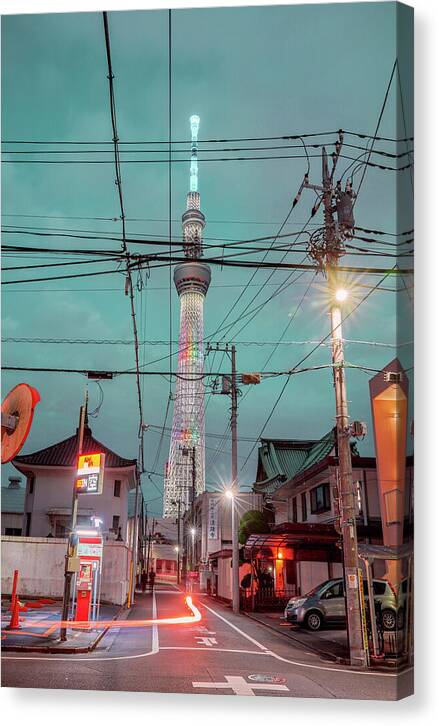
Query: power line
{"points": [[303, 359], [286, 137], [272, 157]]}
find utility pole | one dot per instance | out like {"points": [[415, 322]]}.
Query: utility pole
{"points": [[74, 516], [326, 247], [235, 486], [229, 387], [148, 555]]}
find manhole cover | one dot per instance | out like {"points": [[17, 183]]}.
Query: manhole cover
{"points": [[266, 678]]}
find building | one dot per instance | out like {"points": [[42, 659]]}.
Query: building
{"points": [[49, 485], [184, 472], [298, 479], [13, 507], [207, 538]]}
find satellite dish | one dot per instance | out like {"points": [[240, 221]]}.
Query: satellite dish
{"points": [[17, 414]]}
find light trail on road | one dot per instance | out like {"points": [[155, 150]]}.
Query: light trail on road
{"points": [[86, 625]]}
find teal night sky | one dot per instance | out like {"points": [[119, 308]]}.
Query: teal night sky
{"points": [[247, 72]]}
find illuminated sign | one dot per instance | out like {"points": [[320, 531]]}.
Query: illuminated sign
{"points": [[90, 474]]}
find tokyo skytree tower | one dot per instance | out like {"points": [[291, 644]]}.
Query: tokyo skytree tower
{"points": [[184, 472]]}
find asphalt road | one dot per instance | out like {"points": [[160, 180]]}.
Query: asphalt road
{"points": [[222, 654]]}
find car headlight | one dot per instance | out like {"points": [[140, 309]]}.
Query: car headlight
{"points": [[292, 605]]}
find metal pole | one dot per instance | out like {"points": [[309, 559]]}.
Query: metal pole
{"points": [[178, 543], [67, 574], [235, 487], [373, 621], [134, 544]]}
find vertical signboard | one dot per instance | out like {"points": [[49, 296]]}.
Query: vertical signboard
{"points": [[90, 474], [212, 526], [389, 401]]}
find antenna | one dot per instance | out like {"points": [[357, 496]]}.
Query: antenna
{"points": [[195, 124]]}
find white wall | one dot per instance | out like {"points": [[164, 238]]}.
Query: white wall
{"points": [[53, 490], [40, 562]]}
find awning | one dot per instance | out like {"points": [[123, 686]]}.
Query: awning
{"points": [[384, 552]]}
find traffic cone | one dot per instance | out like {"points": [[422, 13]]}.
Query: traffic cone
{"points": [[15, 617]]}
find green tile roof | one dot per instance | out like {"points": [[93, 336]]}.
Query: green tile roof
{"points": [[282, 460]]}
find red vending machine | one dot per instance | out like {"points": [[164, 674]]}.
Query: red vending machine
{"points": [[88, 580]]}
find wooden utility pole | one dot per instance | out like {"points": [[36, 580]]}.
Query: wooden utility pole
{"points": [[326, 248], [67, 572]]}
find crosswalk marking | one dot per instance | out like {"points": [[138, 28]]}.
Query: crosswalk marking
{"points": [[240, 687]]}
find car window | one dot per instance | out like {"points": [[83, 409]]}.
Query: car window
{"points": [[379, 588], [316, 589], [335, 590]]}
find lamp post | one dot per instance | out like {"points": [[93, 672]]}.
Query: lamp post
{"points": [[230, 494]]}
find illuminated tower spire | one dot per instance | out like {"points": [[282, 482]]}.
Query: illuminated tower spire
{"points": [[184, 474]]}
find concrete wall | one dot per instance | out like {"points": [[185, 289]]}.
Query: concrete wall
{"points": [[40, 562], [52, 491]]}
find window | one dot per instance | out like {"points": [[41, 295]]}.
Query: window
{"points": [[31, 480], [13, 531], [28, 522], [320, 499], [116, 492], [116, 520], [334, 591], [304, 509], [295, 509], [379, 588]]}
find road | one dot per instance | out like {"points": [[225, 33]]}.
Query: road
{"points": [[222, 654]]}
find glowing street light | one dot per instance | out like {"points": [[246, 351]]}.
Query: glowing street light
{"points": [[341, 295], [229, 493]]}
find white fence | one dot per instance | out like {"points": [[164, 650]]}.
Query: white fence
{"points": [[40, 562]]}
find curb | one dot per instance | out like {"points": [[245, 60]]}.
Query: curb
{"points": [[385, 667], [53, 649], [325, 653]]}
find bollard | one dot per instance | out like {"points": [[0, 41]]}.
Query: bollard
{"points": [[14, 591]]}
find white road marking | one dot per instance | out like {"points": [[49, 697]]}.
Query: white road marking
{"points": [[90, 658], [206, 641], [212, 650], [238, 630], [240, 687], [306, 665]]}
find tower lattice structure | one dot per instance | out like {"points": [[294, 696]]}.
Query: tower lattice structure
{"points": [[185, 469]]}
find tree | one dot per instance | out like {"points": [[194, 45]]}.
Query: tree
{"points": [[252, 522]]}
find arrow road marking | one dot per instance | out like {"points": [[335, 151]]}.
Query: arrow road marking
{"points": [[206, 641], [240, 687]]}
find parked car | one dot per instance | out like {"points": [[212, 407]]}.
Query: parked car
{"points": [[325, 605]]}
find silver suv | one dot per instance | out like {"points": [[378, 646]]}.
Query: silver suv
{"points": [[325, 605]]}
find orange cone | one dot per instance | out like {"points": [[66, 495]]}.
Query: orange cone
{"points": [[15, 618]]}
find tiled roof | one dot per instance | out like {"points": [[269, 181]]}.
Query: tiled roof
{"points": [[64, 454], [13, 500], [282, 460]]}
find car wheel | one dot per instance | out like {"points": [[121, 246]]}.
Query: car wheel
{"points": [[388, 619], [314, 621]]}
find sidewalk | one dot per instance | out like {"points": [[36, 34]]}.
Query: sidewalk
{"points": [[330, 644], [39, 630]]}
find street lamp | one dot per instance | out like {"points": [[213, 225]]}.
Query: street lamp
{"points": [[341, 295], [230, 494], [193, 533]]}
